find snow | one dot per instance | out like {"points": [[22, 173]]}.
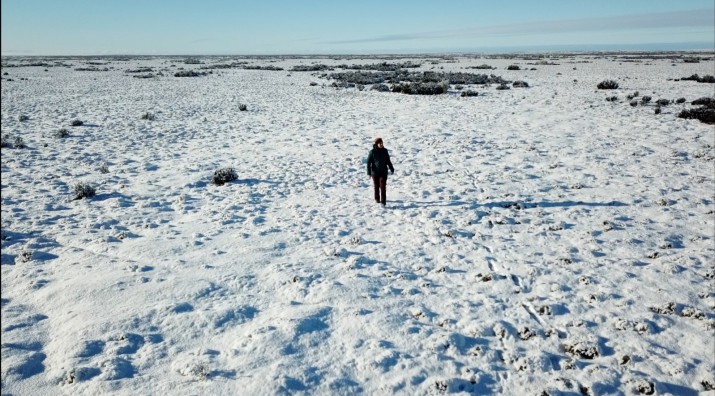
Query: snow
{"points": [[535, 239]]}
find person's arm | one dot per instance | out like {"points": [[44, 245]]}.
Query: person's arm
{"points": [[369, 163], [389, 163]]}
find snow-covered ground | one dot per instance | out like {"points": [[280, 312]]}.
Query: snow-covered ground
{"points": [[536, 241]]}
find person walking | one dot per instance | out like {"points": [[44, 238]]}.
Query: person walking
{"points": [[378, 161]]}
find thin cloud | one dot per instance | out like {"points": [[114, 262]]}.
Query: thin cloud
{"points": [[694, 18]]}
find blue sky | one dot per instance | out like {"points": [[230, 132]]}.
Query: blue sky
{"points": [[182, 27]]}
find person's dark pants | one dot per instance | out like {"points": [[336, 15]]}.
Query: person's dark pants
{"points": [[380, 184]]}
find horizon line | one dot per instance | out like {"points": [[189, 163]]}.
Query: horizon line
{"points": [[387, 53]]}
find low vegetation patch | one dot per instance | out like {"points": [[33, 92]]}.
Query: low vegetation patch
{"points": [[383, 66], [139, 70], [305, 68], [77, 122], [404, 81], [260, 67]]}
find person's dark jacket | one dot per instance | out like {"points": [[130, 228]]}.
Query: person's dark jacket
{"points": [[378, 161]]}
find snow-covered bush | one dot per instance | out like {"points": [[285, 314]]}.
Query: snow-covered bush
{"points": [[188, 73], [148, 116], [19, 143], [704, 101], [705, 114], [77, 122], [607, 84], [62, 133], [703, 79], [83, 190], [223, 176]]}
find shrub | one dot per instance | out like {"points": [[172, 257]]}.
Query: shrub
{"points": [[657, 110], [104, 169], [503, 86], [680, 100], [520, 84], [607, 84], [645, 100], [469, 93], [704, 114], [431, 88], [482, 66], [313, 83], [23, 118], [423, 88], [380, 87], [188, 73], [223, 176], [242, 107], [77, 122], [62, 133], [662, 102], [5, 141], [19, 143], [306, 68], [148, 116], [634, 103], [513, 67], [704, 101], [612, 98], [703, 79], [83, 190]]}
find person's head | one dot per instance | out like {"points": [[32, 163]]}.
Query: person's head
{"points": [[378, 142]]}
